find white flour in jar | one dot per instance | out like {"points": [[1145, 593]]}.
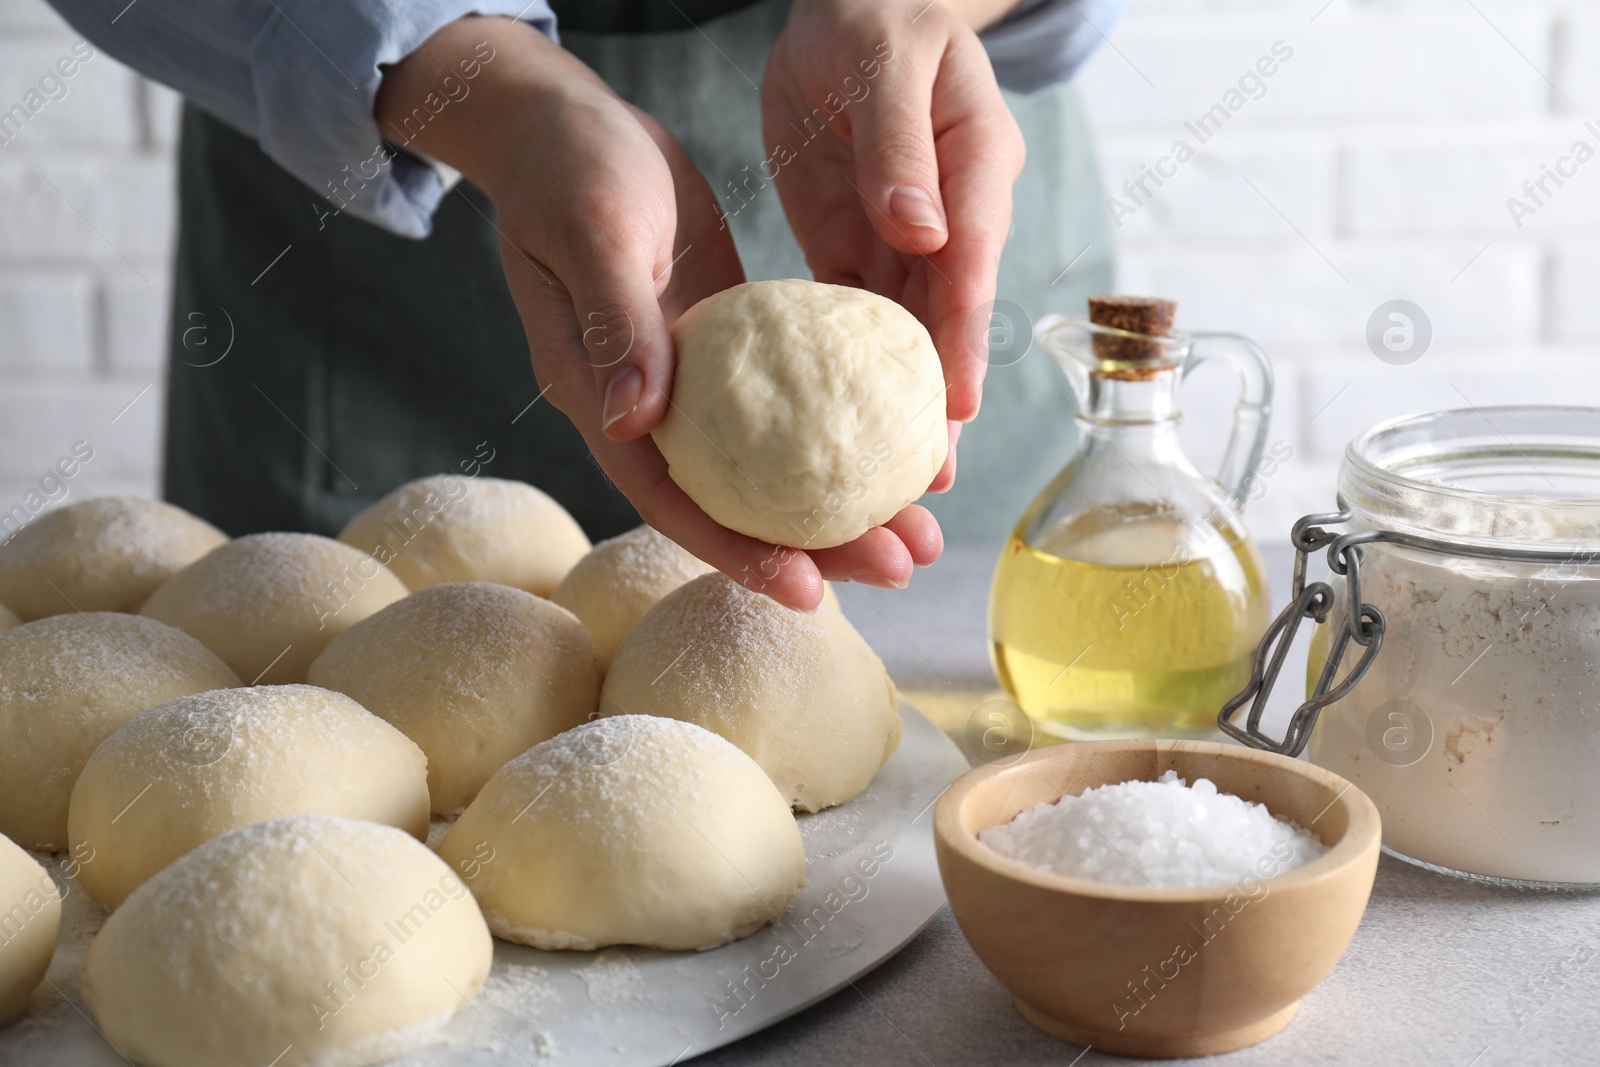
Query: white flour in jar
{"points": [[1475, 731]]}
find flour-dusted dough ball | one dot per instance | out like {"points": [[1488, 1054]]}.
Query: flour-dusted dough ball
{"points": [[612, 587], [107, 554], [474, 673], [192, 769], [269, 603], [30, 918], [305, 940], [802, 694], [66, 683], [8, 619], [803, 414], [620, 580], [633, 830], [446, 528]]}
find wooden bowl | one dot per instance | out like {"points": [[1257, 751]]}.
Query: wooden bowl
{"points": [[1145, 971]]}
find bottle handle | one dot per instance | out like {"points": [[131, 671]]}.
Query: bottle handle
{"points": [[1248, 436]]}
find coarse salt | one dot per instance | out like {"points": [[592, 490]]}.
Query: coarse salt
{"points": [[1164, 833]]}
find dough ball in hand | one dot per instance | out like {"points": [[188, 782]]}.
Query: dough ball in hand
{"points": [[632, 830], [802, 694], [106, 554], [474, 673], [30, 918], [194, 768], [269, 603], [66, 683], [306, 940], [803, 414], [620, 580], [446, 528]]}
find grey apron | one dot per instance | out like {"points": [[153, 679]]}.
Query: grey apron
{"points": [[361, 360]]}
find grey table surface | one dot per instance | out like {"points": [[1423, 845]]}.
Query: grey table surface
{"points": [[1441, 971]]}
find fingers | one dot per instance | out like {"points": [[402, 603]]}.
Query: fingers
{"points": [[636, 467], [623, 333], [980, 155], [885, 556], [787, 575], [897, 169], [882, 557], [947, 473], [704, 259], [607, 237], [919, 531], [878, 557]]}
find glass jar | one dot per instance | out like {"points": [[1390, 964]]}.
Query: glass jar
{"points": [[1470, 706]]}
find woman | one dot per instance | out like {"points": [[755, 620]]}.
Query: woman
{"points": [[612, 180]]}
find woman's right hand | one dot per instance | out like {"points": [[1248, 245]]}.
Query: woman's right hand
{"points": [[608, 232]]}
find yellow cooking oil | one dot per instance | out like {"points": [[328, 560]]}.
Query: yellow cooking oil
{"points": [[1119, 625]]}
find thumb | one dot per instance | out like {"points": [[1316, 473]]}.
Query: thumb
{"points": [[625, 338], [896, 165]]}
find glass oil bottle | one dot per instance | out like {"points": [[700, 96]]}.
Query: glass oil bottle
{"points": [[1129, 599]]}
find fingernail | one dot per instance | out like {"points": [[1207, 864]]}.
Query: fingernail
{"points": [[878, 581], [622, 395], [915, 207]]}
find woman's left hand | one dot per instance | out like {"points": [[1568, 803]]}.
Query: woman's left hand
{"points": [[894, 156]]}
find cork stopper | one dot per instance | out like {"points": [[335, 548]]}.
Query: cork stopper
{"points": [[1148, 315]]}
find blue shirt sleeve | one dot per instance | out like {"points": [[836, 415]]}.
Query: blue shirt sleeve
{"points": [[1044, 42], [301, 76]]}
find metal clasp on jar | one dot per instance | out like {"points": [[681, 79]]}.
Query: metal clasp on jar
{"points": [[1363, 623]]}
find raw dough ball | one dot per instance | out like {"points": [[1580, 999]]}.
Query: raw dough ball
{"points": [[107, 554], [446, 528], [612, 587], [802, 694], [633, 830], [180, 774], [620, 580], [30, 918], [803, 414], [66, 683], [269, 603], [474, 673], [305, 940], [8, 619]]}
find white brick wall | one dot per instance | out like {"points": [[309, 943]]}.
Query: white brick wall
{"points": [[1381, 155], [1374, 165], [85, 233]]}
